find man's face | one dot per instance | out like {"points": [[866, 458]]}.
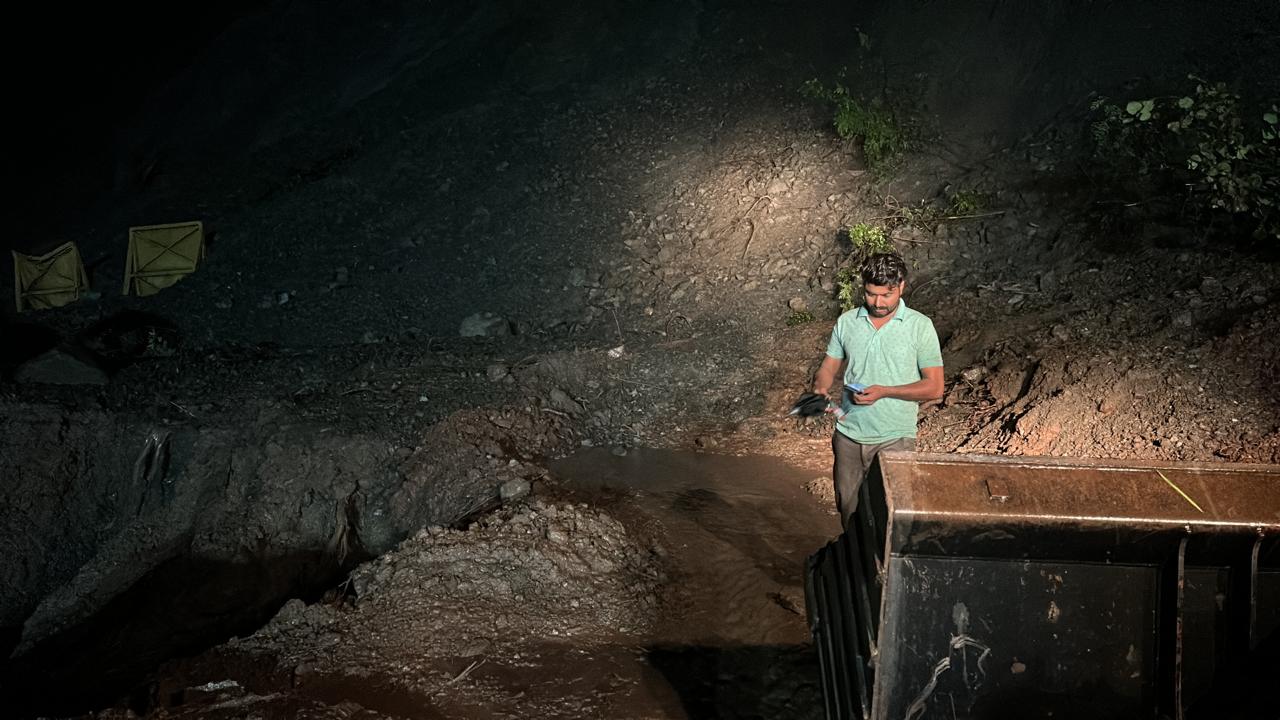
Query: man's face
{"points": [[882, 300]]}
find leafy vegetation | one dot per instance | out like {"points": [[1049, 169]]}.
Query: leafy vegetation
{"points": [[799, 317], [967, 201], [866, 240], [883, 139], [1224, 153]]}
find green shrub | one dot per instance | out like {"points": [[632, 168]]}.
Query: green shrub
{"points": [[883, 138], [968, 202], [1225, 155], [866, 240], [799, 317]]}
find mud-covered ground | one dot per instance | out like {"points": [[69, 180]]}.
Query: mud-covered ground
{"points": [[639, 198]]}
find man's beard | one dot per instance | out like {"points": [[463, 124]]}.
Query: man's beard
{"points": [[881, 312]]}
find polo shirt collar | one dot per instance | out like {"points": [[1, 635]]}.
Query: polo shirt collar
{"points": [[899, 314]]}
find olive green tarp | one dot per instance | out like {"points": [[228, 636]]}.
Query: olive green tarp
{"points": [[49, 280], [161, 255]]}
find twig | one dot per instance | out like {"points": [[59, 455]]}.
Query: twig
{"points": [[467, 672], [188, 412], [750, 237], [555, 412], [666, 329], [975, 215], [671, 344], [618, 325], [926, 283], [1129, 203], [753, 205]]}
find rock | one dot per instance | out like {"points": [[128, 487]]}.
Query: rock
{"points": [[777, 187], [60, 367], [620, 450], [496, 371], [341, 276], [798, 304], [291, 612], [1060, 333], [1048, 281], [1211, 286], [706, 442], [514, 489], [479, 646], [577, 277], [973, 374], [369, 338], [560, 400], [485, 324]]}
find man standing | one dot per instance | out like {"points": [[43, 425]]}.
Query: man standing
{"points": [[893, 351]]}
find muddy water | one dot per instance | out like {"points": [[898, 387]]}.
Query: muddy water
{"points": [[739, 528], [734, 642], [731, 641]]}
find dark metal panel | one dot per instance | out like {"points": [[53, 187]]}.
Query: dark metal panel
{"points": [[1029, 588], [968, 637]]}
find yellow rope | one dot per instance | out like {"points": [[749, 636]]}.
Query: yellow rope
{"points": [[1184, 495]]}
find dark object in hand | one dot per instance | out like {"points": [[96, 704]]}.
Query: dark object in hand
{"points": [[809, 404]]}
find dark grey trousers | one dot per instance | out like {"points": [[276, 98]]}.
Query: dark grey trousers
{"points": [[853, 460]]}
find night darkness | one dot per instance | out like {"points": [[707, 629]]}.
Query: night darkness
{"points": [[78, 75]]}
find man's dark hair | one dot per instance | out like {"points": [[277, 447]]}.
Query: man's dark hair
{"points": [[886, 269]]}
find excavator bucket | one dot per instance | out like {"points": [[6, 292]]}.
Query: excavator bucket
{"points": [[977, 587]]}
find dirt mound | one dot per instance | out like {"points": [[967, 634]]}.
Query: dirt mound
{"points": [[539, 571], [417, 621]]}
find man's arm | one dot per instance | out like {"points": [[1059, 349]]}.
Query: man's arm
{"points": [[928, 387], [827, 375]]}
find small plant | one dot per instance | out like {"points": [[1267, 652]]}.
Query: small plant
{"points": [[867, 240], [799, 317], [883, 138], [968, 202], [850, 284], [1226, 156]]}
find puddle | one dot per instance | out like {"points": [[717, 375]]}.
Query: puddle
{"points": [[739, 529], [182, 606]]}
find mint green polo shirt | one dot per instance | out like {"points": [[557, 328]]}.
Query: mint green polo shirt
{"points": [[892, 355]]}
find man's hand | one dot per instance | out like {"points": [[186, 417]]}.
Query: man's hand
{"points": [[827, 375], [870, 394], [927, 388]]}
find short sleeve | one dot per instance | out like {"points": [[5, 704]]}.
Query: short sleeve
{"points": [[835, 348], [928, 352]]}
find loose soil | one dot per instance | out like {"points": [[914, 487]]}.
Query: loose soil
{"points": [[345, 509]]}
